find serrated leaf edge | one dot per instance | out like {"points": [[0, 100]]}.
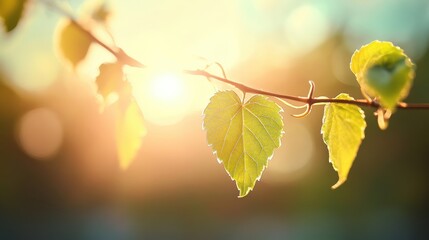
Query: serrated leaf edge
{"points": [[341, 180], [214, 152]]}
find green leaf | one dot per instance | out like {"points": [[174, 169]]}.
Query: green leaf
{"points": [[343, 131], [11, 13], [74, 43], [383, 71], [110, 79], [130, 130], [243, 135]]}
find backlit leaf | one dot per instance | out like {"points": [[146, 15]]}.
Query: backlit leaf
{"points": [[343, 131], [11, 13], [243, 135], [383, 71], [110, 79], [73, 43], [130, 130]]}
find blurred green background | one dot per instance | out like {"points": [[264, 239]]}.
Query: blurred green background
{"points": [[59, 177]]}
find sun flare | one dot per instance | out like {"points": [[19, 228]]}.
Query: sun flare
{"points": [[163, 97], [167, 87]]}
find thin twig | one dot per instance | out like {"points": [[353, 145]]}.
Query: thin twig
{"points": [[115, 51], [309, 100]]}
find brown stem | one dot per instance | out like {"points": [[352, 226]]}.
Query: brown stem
{"points": [[120, 55], [310, 100]]}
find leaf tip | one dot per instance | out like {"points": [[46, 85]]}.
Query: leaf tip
{"points": [[339, 183], [244, 193], [124, 165]]}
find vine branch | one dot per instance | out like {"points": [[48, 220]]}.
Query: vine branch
{"points": [[309, 100], [120, 54]]}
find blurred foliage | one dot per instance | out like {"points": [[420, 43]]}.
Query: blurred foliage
{"points": [[110, 79], [11, 12], [73, 43], [130, 130]]}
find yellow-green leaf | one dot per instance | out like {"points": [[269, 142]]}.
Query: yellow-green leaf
{"points": [[73, 43], [11, 13], [384, 72], [243, 135], [130, 130], [343, 130], [110, 79]]}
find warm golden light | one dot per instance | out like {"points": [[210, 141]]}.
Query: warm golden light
{"points": [[167, 87], [292, 158], [163, 97]]}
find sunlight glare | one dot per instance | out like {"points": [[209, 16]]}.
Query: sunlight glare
{"points": [[162, 97], [167, 87]]}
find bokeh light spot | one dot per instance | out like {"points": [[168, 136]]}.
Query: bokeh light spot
{"points": [[167, 87], [294, 157], [162, 96], [40, 133], [305, 28]]}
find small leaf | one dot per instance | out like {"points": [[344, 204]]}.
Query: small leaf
{"points": [[74, 43], [11, 13], [130, 130], [110, 79], [383, 71], [243, 136], [343, 130]]}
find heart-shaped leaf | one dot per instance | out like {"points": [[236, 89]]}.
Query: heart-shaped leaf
{"points": [[384, 72], [243, 135]]}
